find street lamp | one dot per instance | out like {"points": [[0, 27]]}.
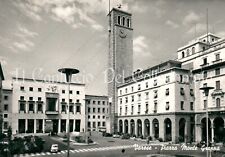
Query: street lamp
{"points": [[69, 72], [206, 91]]}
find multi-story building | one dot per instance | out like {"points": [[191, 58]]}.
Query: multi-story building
{"points": [[1, 79], [6, 108], [41, 107], [97, 111], [166, 101], [205, 58], [157, 102]]}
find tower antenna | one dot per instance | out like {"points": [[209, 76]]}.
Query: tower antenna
{"points": [[207, 28], [109, 6]]}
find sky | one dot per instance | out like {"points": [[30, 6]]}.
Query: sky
{"points": [[37, 37]]}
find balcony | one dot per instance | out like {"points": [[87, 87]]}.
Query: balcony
{"points": [[216, 108], [51, 112], [217, 92]]}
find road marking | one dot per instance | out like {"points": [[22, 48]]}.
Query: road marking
{"points": [[78, 150]]}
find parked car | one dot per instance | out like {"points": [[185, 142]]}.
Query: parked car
{"points": [[116, 136], [54, 148]]}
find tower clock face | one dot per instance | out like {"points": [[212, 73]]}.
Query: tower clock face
{"points": [[122, 33]]}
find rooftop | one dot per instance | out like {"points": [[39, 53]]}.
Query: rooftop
{"points": [[45, 81]]}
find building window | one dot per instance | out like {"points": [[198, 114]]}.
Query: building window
{"points": [[31, 107], [193, 50], [63, 91], [132, 110], [182, 53], [139, 86], [155, 107], [103, 123], [22, 107], [139, 97], [78, 101], [93, 102], [63, 108], [121, 100], [120, 92], [39, 98], [103, 110], [218, 102], [39, 89], [40, 107], [6, 107], [132, 89], [205, 74], [93, 110], [78, 108], [192, 106], [204, 61], [155, 94], [126, 110], [181, 78], [94, 125], [217, 71], [119, 20], [167, 79], [99, 123], [167, 106], [126, 99], [146, 108], [125, 90], [93, 116], [139, 109], [30, 98], [155, 83], [103, 117], [128, 22], [22, 88], [5, 125], [204, 104], [99, 102], [99, 110], [182, 105], [146, 84], [31, 89], [191, 92], [103, 102], [167, 91], [5, 115], [71, 92], [217, 85], [120, 110], [21, 97], [188, 52], [123, 21], [132, 98], [71, 100], [181, 91], [217, 57], [147, 95], [6, 97], [71, 108], [89, 109], [78, 92], [89, 124]]}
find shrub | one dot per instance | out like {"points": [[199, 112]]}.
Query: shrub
{"points": [[125, 136], [160, 139]]}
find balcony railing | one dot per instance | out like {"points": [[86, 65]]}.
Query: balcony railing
{"points": [[51, 112]]}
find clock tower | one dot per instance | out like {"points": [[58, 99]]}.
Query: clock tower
{"points": [[120, 58]]}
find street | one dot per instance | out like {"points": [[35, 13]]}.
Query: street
{"points": [[111, 147]]}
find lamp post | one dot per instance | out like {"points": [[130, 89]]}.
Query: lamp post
{"points": [[206, 91], [69, 72]]}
